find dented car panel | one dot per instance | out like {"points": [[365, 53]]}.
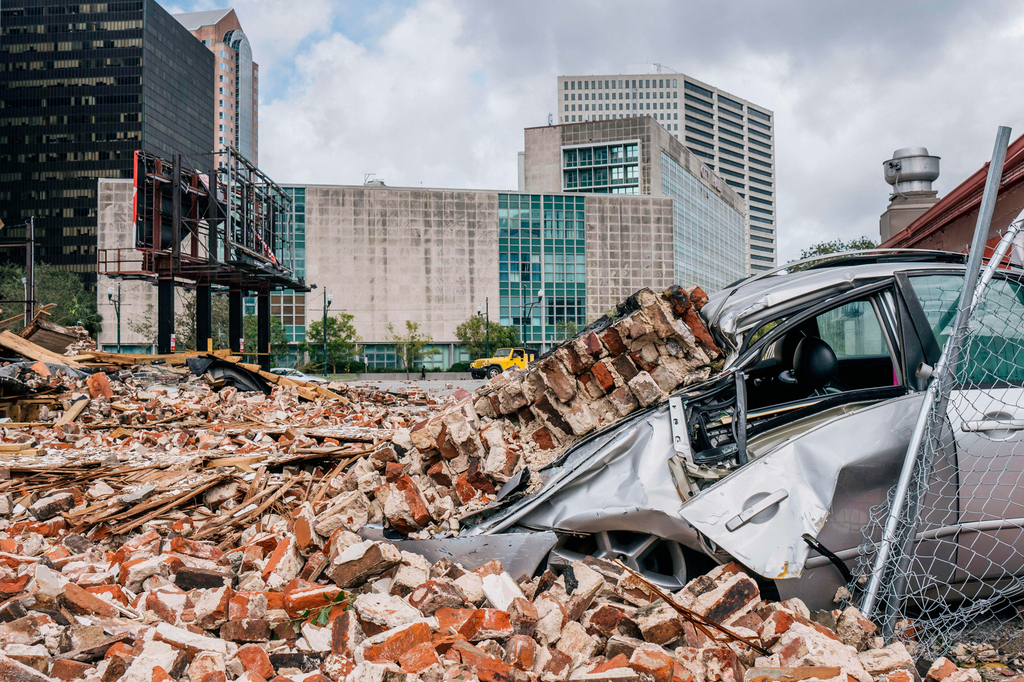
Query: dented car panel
{"points": [[760, 513], [625, 486]]}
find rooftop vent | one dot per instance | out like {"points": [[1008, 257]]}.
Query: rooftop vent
{"points": [[911, 169]]}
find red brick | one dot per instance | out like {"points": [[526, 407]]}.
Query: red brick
{"points": [[542, 437], [616, 662], [68, 670], [300, 595], [255, 660], [604, 377], [462, 621], [520, 652], [200, 550], [395, 645], [99, 386], [82, 603], [613, 341], [418, 658]]}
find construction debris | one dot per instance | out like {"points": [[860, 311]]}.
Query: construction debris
{"points": [[190, 517]]}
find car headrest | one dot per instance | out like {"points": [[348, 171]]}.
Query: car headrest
{"points": [[814, 363]]}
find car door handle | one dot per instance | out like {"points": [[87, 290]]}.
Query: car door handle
{"points": [[994, 425], [743, 518]]}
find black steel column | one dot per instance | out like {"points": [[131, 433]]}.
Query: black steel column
{"points": [[235, 311], [263, 327], [204, 320], [164, 314]]}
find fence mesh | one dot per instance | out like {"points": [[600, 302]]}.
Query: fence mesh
{"points": [[957, 553]]}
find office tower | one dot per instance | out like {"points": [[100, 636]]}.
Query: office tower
{"points": [[82, 87], [236, 78], [636, 155], [732, 136]]}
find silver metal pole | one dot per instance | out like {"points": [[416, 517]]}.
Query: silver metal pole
{"points": [[988, 203]]}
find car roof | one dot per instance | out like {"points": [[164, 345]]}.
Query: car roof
{"points": [[748, 302]]}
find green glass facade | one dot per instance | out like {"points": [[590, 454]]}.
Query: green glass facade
{"points": [[602, 168], [542, 265]]}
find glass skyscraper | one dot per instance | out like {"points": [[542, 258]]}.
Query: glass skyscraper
{"points": [[82, 87]]}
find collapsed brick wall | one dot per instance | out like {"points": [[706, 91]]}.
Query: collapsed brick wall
{"points": [[458, 459]]}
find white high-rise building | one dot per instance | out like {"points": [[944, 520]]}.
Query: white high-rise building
{"points": [[732, 136]]}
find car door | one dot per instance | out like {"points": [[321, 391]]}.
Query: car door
{"points": [[820, 475], [986, 416]]}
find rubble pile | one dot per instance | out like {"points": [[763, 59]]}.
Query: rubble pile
{"points": [[157, 524], [526, 419], [281, 606]]}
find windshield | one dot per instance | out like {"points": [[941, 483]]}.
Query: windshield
{"points": [[502, 352]]}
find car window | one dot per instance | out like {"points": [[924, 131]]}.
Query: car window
{"points": [[939, 296], [995, 347], [853, 331]]}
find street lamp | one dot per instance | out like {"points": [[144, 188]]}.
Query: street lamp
{"points": [[328, 298], [117, 310]]}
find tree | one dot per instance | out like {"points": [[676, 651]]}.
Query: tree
{"points": [[838, 246], [566, 329], [74, 305], [278, 340], [472, 335], [834, 246], [185, 323], [411, 347], [342, 340]]}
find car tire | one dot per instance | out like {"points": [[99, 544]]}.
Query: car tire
{"points": [[493, 371], [665, 563], [476, 375]]}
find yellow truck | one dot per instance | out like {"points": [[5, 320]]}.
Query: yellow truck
{"points": [[502, 360]]}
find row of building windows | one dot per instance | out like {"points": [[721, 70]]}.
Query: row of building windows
{"points": [[601, 155], [621, 107], [571, 97], [608, 85], [634, 84]]}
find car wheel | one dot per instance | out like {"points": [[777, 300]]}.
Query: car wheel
{"points": [[663, 562], [493, 371]]}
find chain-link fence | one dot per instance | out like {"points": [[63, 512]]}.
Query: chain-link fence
{"points": [[951, 539]]}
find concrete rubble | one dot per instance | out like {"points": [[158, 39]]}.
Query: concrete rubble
{"points": [[160, 525]]}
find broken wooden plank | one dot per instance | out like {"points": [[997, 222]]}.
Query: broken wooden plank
{"points": [[72, 413], [171, 504], [14, 343]]}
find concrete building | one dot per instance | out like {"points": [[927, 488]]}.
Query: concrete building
{"points": [[547, 263], [236, 79], [732, 136], [637, 155], [82, 87]]}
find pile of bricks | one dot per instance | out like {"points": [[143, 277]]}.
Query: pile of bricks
{"points": [[281, 607], [459, 458]]}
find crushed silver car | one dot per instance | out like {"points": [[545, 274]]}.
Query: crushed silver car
{"points": [[777, 460]]}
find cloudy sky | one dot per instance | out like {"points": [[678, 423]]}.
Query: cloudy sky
{"points": [[438, 91]]}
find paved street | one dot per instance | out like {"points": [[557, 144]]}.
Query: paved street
{"points": [[436, 387]]}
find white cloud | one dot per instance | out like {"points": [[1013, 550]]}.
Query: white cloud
{"points": [[442, 91], [416, 108]]}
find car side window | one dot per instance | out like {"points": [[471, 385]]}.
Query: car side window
{"points": [[939, 296], [994, 353], [853, 331]]}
